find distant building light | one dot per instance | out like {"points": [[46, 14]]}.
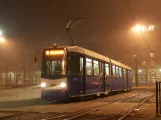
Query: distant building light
{"points": [[151, 54], [140, 71]]}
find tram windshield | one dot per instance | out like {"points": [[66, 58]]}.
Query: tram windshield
{"points": [[52, 64], [53, 67]]}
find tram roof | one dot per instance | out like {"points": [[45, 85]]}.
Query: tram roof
{"points": [[93, 54]]}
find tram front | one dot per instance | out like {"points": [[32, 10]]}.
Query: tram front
{"points": [[53, 77]]}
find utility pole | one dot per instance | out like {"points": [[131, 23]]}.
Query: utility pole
{"points": [[7, 75], [24, 75], [136, 70], [141, 29]]}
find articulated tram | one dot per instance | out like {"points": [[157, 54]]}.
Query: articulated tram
{"points": [[72, 71]]}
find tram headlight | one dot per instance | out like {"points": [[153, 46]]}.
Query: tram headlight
{"points": [[63, 85], [43, 85]]}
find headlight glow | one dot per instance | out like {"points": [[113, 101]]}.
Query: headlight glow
{"points": [[63, 85], [43, 85]]}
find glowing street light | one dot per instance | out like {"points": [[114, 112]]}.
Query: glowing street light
{"points": [[142, 28], [0, 33], [160, 69], [2, 40]]}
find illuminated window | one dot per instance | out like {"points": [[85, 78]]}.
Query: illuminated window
{"points": [[89, 66], [120, 72], [130, 74], [107, 71], [81, 65], [117, 72], [95, 67], [113, 71], [125, 74], [101, 68]]}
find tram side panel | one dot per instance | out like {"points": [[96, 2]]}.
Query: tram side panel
{"points": [[102, 76], [116, 79], [92, 76], [108, 80], [129, 79], [117, 83], [113, 77], [121, 83], [108, 85], [125, 84]]}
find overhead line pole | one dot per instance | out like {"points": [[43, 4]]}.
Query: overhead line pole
{"points": [[69, 27]]}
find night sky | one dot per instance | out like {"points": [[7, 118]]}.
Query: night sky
{"points": [[31, 25]]}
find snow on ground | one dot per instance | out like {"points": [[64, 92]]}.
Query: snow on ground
{"points": [[19, 93]]}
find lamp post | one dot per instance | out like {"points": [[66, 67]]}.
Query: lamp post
{"points": [[141, 29], [136, 70]]}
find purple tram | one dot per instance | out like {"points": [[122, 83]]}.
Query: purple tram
{"points": [[72, 71]]}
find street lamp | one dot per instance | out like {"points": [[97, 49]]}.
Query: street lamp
{"points": [[0, 33], [136, 70], [2, 40], [141, 28], [160, 69]]}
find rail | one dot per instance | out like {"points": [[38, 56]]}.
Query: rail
{"points": [[81, 113], [135, 107]]}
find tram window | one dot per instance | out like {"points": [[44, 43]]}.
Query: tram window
{"points": [[89, 66], [101, 68], [117, 72], [81, 65], [130, 74], [53, 67], [73, 64], [124, 73], [113, 71], [107, 71], [120, 72], [96, 67]]}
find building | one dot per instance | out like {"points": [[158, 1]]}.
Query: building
{"points": [[148, 75]]}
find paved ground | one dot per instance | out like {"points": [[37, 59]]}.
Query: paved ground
{"points": [[19, 93], [28, 99]]}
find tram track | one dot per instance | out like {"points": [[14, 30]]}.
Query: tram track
{"points": [[70, 116], [77, 114], [82, 113], [130, 110], [6, 114]]}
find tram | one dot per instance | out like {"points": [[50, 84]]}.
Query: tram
{"points": [[72, 71]]}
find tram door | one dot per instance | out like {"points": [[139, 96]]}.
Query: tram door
{"points": [[73, 74], [102, 77], [82, 75]]}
